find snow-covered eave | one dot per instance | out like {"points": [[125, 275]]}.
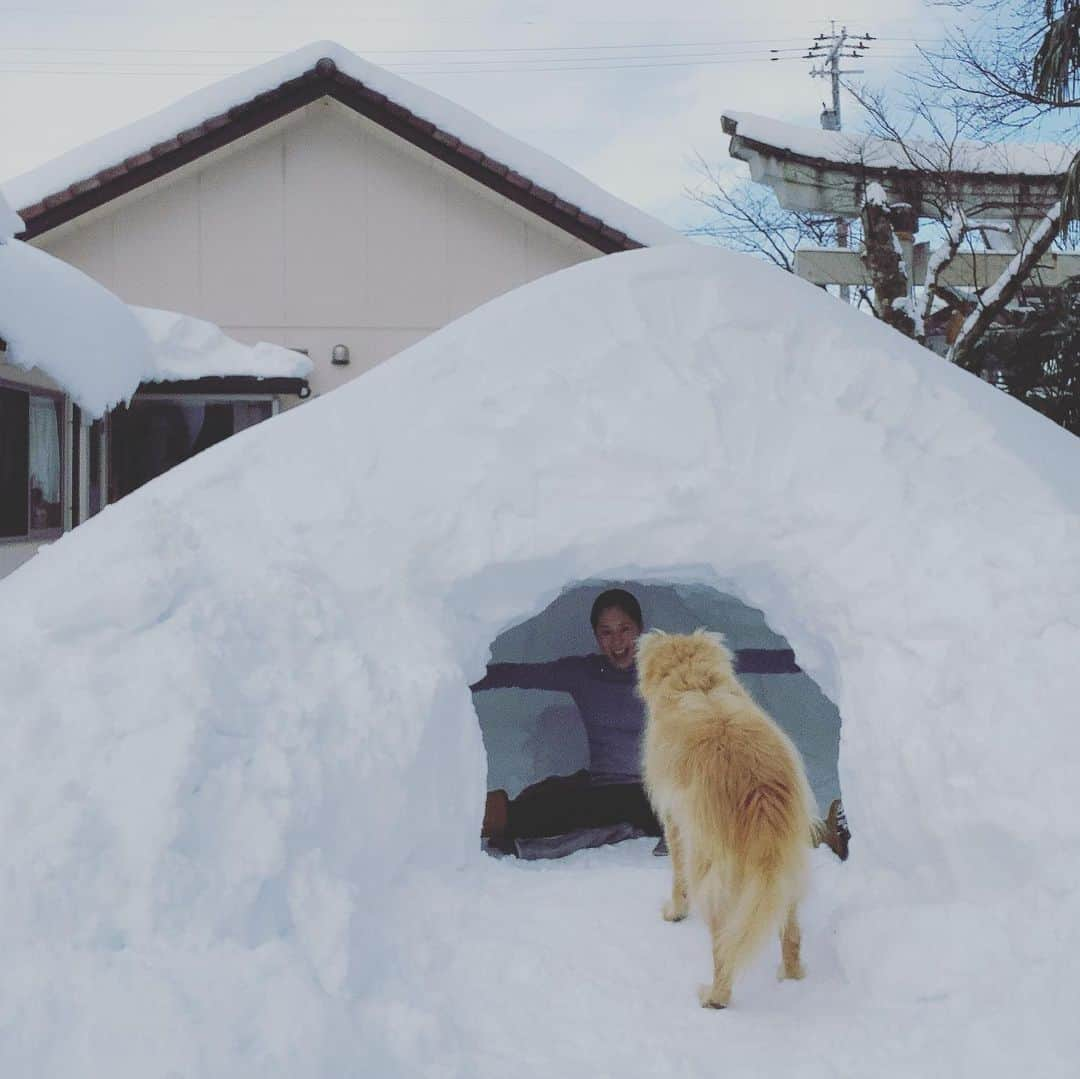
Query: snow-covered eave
{"points": [[828, 171], [184, 349], [122, 160], [103, 351], [63, 323], [870, 156]]}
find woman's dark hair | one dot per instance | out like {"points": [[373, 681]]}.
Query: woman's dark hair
{"points": [[620, 599]]}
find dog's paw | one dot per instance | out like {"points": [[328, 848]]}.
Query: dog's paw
{"points": [[796, 974], [710, 998], [673, 912]]}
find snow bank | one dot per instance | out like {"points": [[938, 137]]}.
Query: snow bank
{"points": [[185, 348], [188, 112], [242, 777], [56, 318]]}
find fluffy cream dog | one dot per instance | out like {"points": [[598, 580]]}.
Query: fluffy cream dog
{"points": [[732, 794]]}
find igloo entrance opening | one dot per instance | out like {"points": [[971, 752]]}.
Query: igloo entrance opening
{"points": [[532, 734]]}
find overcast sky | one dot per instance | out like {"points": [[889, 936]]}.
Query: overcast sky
{"points": [[625, 91]]}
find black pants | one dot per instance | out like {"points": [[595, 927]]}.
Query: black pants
{"points": [[565, 803]]}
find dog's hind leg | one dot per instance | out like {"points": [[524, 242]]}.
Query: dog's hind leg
{"points": [[676, 908], [790, 944], [717, 995]]}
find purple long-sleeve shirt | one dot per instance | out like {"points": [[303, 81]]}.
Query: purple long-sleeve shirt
{"points": [[612, 712]]}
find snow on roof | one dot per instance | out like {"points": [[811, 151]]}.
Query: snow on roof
{"points": [[242, 777], [107, 151], [98, 350], [57, 319], [10, 222], [185, 348], [845, 147]]}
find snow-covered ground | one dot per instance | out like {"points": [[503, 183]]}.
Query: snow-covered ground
{"points": [[243, 777]]}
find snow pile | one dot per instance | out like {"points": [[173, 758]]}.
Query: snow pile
{"points": [[846, 147], [190, 111], [243, 779], [185, 348], [57, 319]]}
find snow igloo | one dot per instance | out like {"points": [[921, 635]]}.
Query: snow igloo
{"points": [[238, 733]]}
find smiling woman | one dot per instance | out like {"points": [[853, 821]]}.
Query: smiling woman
{"points": [[609, 792]]}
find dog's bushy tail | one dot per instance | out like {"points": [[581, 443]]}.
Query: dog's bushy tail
{"points": [[750, 892]]}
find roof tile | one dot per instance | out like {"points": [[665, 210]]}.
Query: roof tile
{"points": [[445, 137], [162, 148]]}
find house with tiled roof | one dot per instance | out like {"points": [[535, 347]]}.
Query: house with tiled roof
{"points": [[316, 202]]}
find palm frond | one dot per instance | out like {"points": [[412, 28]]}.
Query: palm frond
{"points": [[1055, 69]]}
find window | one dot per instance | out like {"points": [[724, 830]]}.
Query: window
{"points": [[155, 433], [96, 468], [31, 463]]}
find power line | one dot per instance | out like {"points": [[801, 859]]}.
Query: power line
{"points": [[142, 51], [483, 69], [711, 55], [418, 52], [157, 72]]}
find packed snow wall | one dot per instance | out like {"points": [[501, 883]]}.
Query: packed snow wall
{"points": [[236, 714]]}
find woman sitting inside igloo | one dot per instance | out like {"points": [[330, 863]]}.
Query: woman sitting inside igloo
{"points": [[605, 802]]}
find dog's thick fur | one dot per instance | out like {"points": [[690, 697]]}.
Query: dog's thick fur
{"points": [[731, 791]]}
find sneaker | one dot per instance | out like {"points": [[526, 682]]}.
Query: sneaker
{"points": [[660, 850], [836, 834]]}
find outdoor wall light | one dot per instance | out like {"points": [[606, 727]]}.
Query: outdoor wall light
{"points": [[340, 355]]}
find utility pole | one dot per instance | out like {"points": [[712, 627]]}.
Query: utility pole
{"points": [[829, 48]]}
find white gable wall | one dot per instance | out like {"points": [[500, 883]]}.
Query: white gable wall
{"points": [[321, 229]]}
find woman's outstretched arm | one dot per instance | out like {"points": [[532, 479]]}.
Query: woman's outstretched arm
{"points": [[562, 675]]}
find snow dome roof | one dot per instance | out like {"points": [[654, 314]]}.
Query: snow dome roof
{"points": [[207, 119], [243, 779]]}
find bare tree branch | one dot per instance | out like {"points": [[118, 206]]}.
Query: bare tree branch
{"points": [[746, 217], [1002, 292]]}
